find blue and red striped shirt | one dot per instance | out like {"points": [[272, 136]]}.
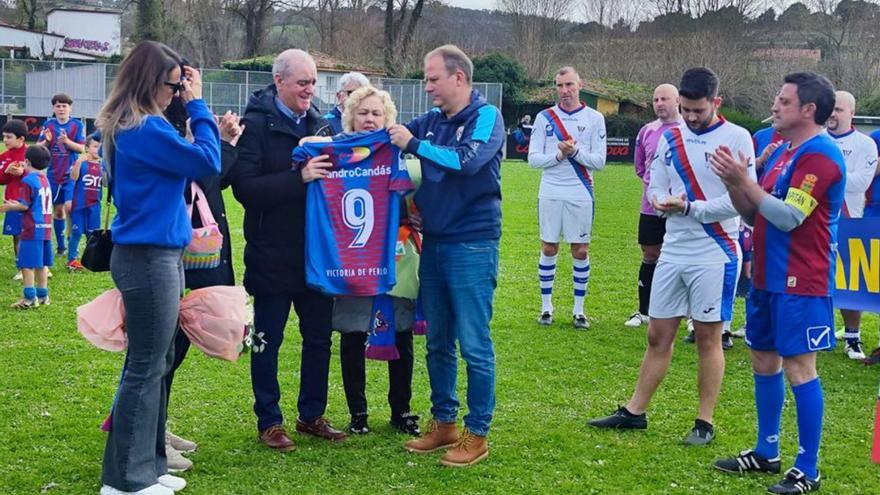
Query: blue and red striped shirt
{"points": [[35, 193], [801, 261], [352, 216], [87, 188], [62, 157]]}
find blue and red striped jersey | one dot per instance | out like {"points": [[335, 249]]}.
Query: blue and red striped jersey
{"points": [[87, 188], [353, 215], [812, 178], [62, 157], [36, 222]]}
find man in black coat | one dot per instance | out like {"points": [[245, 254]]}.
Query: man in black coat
{"points": [[273, 196]]}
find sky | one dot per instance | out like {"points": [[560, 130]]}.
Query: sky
{"points": [[472, 4]]}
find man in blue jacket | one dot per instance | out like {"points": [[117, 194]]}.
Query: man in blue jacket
{"points": [[459, 144], [348, 83]]}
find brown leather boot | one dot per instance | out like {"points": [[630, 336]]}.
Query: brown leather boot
{"points": [[439, 436], [469, 450]]}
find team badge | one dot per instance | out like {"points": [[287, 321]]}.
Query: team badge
{"points": [[809, 183], [792, 281], [549, 130]]}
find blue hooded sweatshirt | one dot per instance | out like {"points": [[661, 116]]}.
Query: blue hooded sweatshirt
{"points": [[460, 195]]}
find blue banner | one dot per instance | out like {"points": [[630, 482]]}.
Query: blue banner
{"points": [[857, 284]]}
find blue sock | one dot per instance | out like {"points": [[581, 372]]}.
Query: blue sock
{"points": [[59, 226], [851, 335], [42, 292], [29, 293], [810, 408], [73, 247], [769, 399]]}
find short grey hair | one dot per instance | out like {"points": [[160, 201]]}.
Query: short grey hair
{"points": [[352, 77], [454, 59], [568, 69], [286, 59]]}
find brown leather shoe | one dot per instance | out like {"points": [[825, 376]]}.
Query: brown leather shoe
{"points": [[320, 428], [275, 437], [469, 450], [439, 436]]}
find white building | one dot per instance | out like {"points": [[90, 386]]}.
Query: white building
{"points": [[73, 33]]}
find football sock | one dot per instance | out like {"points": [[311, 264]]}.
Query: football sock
{"points": [[581, 277], [852, 335], [810, 407], [646, 277], [59, 226], [42, 292], [769, 399], [73, 246], [29, 293], [546, 275]]}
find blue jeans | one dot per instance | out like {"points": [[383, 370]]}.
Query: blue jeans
{"points": [[457, 283], [270, 316], [151, 282]]}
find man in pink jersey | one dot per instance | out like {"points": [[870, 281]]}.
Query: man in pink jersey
{"points": [[652, 227]]}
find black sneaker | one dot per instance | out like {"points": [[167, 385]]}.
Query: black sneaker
{"points": [[748, 462], [702, 434], [690, 338], [795, 481], [359, 425], [60, 251], [407, 423], [727, 341], [546, 318], [621, 419]]}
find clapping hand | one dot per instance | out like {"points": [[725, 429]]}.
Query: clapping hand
{"points": [[10, 205], [732, 171], [15, 168], [568, 147], [230, 127], [670, 205]]}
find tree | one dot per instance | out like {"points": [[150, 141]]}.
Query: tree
{"points": [[254, 14], [497, 67], [538, 29], [399, 31], [29, 11]]}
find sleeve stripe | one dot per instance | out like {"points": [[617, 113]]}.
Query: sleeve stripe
{"points": [[486, 117], [443, 157]]}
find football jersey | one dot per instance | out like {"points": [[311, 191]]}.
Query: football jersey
{"points": [[353, 215], [13, 182], [36, 222], [62, 157], [681, 166], [812, 178], [860, 155], [87, 189], [568, 179], [872, 195], [763, 138], [646, 147]]}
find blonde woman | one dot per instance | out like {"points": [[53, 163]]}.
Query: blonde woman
{"points": [[150, 165]]}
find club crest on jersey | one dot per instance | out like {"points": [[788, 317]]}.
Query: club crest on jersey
{"points": [[459, 132], [358, 153], [809, 183], [548, 129], [668, 158], [379, 322]]}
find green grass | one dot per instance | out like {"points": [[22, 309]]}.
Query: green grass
{"points": [[57, 389]]}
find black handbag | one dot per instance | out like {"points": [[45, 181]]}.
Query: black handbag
{"points": [[99, 246]]}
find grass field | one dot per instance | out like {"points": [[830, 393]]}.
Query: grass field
{"points": [[57, 388]]}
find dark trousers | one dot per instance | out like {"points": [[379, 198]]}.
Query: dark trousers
{"points": [[354, 373], [270, 316], [151, 281]]}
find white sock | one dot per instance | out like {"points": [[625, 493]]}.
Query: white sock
{"points": [[581, 277], [546, 276]]}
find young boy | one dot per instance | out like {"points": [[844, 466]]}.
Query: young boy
{"points": [[64, 137], [35, 250], [11, 171], [85, 211]]}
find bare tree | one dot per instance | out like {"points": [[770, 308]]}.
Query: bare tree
{"points": [[255, 15], [400, 25], [538, 27], [29, 11]]}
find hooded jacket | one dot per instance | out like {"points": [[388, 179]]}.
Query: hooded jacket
{"points": [[460, 195], [273, 195]]}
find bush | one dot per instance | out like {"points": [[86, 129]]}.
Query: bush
{"points": [[742, 119], [622, 125]]}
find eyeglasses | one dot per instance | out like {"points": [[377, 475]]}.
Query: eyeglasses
{"points": [[175, 87]]}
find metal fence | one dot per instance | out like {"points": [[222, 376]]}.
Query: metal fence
{"points": [[27, 86]]}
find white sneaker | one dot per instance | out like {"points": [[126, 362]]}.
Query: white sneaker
{"points": [[175, 460], [854, 350], [636, 320], [739, 332], [17, 276], [176, 483], [580, 322], [156, 489], [690, 325], [180, 444]]}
